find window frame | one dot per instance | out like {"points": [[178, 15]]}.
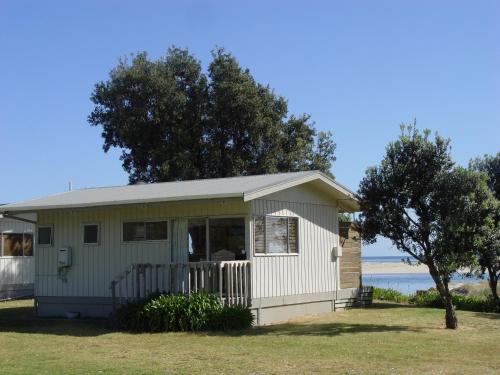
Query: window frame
{"points": [[10, 231], [266, 253], [144, 222], [98, 234], [246, 221], [51, 244]]}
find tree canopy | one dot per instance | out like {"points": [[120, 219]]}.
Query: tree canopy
{"points": [[175, 122], [429, 208], [489, 164], [488, 242]]}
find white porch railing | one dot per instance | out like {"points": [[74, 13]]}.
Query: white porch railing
{"points": [[230, 280]]}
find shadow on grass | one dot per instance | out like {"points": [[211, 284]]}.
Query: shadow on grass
{"points": [[320, 329], [487, 315], [23, 320], [379, 304]]}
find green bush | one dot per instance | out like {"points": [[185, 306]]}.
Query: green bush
{"points": [[389, 295], [171, 312], [233, 318], [432, 298]]}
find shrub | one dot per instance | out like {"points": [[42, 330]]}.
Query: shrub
{"points": [[432, 298], [171, 312], [429, 298], [389, 295], [233, 318]]}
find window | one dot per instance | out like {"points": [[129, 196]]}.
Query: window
{"points": [[45, 236], [275, 235], [156, 230], [226, 239], [90, 234], [145, 231], [16, 244], [197, 240]]}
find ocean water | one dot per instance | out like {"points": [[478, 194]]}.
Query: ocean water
{"points": [[385, 259], [407, 283]]}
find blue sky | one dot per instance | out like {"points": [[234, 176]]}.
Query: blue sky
{"points": [[360, 68]]}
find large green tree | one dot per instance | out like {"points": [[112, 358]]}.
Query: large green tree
{"points": [[430, 209], [175, 122], [488, 244]]}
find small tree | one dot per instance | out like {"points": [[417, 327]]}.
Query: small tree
{"points": [[430, 209], [488, 244]]}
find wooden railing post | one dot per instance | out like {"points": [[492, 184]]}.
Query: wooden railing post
{"points": [[137, 283], [220, 281], [150, 266], [245, 284], [113, 295]]}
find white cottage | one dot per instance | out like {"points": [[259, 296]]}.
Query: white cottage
{"points": [[270, 242]]}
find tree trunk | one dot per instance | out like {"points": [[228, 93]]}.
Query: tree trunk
{"points": [[451, 316], [493, 283], [444, 292]]}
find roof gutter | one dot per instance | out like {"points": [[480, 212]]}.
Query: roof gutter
{"points": [[9, 216], [34, 208]]}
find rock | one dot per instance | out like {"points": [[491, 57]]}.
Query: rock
{"points": [[460, 290]]}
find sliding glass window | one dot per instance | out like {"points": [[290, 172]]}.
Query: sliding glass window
{"points": [[226, 239]]}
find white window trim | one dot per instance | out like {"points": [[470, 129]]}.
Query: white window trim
{"points": [[51, 244], [265, 253], [98, 234], [123, 242]]}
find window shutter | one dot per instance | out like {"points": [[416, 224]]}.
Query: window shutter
{"points": [[292, 235], [259, 234]]}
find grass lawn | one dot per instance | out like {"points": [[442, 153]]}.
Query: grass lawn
{"points": [[382, 339]]}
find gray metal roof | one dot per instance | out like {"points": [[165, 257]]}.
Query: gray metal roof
{"points": [[246, 187]]}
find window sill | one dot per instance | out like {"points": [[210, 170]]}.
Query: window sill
{"points": [[277, 255], [143, 242]]}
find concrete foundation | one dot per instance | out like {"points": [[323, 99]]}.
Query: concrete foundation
{"points": [[86, 307], [266, 310], [10, 291]]}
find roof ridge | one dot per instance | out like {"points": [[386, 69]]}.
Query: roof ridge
{"points": [[199, 180]]}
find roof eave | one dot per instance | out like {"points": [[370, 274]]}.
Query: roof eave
{"points": [[348, 201], [35, 208]]}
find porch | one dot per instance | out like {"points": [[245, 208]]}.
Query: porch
{"points": [[229, 280]]}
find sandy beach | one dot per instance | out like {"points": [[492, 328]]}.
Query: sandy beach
{"points": [[384, 268], [370, 268]]}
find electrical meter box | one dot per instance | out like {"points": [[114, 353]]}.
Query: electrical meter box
{"points": [[64, 257], [337, 251]]}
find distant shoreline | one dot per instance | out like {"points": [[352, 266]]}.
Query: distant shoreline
{"points": [[370, 268]]}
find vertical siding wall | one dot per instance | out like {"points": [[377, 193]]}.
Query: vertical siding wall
{"points": [[16, 270], [313, 270], [93, 267]]}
